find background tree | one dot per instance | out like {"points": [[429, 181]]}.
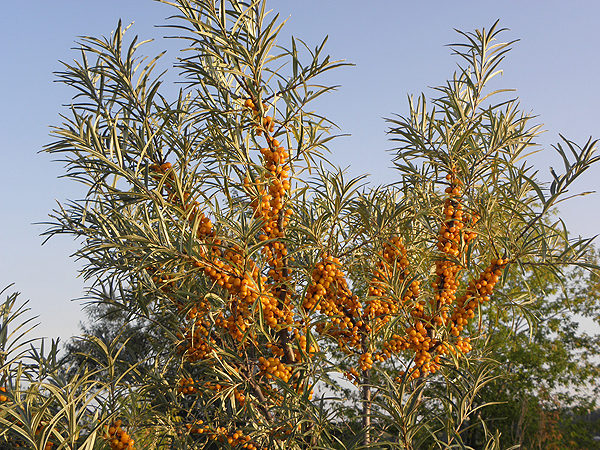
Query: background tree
{"points": [[142, 343], [549, 368]]}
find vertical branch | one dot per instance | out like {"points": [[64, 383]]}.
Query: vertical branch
{"points": [[367, 404]]}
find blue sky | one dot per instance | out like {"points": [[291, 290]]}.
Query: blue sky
{"points": [[398, 48]]}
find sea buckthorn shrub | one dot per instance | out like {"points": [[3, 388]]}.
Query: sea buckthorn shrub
{"points": [[213, 216], [41, 406]]}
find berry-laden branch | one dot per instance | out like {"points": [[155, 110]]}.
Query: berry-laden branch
{"points": [[225, 265], [427, 329]]}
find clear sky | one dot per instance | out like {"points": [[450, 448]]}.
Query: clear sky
{"points": [[398, 48]]}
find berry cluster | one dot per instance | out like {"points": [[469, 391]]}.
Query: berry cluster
{"points": [[228, 268], [352, 375], [421, 337], [221, 434], [452, 224], [188, 386], [446, 283], [273, 367], [381, 304], [269, 205], [329, 294], [478, 291], [197, 340], [419, 341], [271, 190], [365, 361], [117, 437], [266, 125], [302, 348]]}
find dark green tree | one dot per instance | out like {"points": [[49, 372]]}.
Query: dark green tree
{"points": [[549, 368]]}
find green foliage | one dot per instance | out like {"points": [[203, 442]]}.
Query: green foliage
{"points": [[42, 404], [549, 370]]}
